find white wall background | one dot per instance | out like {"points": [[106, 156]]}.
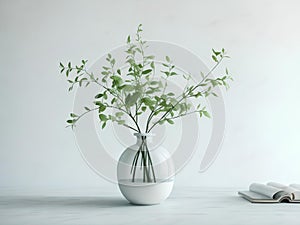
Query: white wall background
{"points": [[263, 39]]}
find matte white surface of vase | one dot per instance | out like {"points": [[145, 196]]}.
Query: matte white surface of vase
{"points": [[139, 191]]}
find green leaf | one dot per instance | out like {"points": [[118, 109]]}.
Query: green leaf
{"points": [[152, 65], [112, 118], [149, 92], [102, 117], [103, 125], [128, 39], [205, 113], [161, 122], [73, 115], [214, 83], [130, 100], [119, 114], [214, 58], [105, 95], [128, 88], [117, 80], [86, 108], [113, 101], [166, 72], [149, 57], [148, 101], [80, 82], [69, 121], [113, 61], [153, 82], [170, 121], [147, 71], [171, 94], [100, 95], [61, 65], [198, 94], [102, 107], [168, 59], [121, 122], [139, 28], [216, 53]]}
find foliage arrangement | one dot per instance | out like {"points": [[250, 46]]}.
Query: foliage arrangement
{"points": [[142, 90]]}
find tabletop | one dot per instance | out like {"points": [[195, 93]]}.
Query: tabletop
{"points": [[186, 205]]}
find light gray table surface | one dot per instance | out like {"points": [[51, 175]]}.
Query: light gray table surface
{"points": [[186, 205]]}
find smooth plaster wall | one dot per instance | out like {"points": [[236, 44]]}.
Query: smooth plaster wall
{"points": [[262, 107]]}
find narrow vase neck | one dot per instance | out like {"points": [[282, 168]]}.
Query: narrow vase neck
{"points": [[143, 137]]}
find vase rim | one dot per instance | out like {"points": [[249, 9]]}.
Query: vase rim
{"points": [[144, 134]]}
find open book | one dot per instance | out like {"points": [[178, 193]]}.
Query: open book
{"points": [[272, 193]]}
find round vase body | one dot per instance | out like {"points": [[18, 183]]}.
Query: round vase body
{"points": [[145, 174]]}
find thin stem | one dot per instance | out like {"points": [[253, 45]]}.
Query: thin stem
{"points": [[149, 119], [181, 115], [138, 127], [79, 117], [151, 165], [134, 163], [117, 96], [144, 154], [145, 164], [125, 125], [130, 116], [134, 159], [103, 86], [97, 108], [185, 96]]}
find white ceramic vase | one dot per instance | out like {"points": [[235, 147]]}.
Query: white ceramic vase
{"points": [[145, 175]]}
